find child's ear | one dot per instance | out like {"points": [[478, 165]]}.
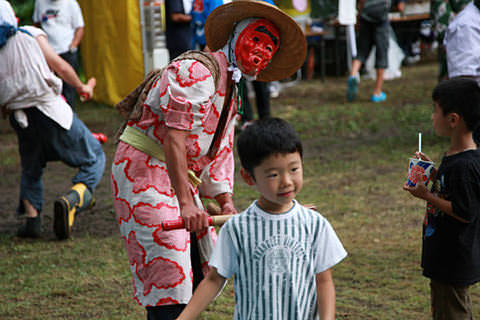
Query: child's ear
{"points": [[454, 118], [247, 177]]}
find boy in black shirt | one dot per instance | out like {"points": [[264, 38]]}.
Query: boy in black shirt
{"points": [[451, 230]]}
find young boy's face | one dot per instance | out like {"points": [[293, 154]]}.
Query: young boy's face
{"points": [[440, 121], [278, 179]]}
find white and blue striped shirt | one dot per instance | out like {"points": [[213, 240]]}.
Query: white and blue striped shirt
{"points": [[275, 258]]}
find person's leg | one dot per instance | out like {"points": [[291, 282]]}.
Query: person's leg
{"points": [[365, 42], [32, 161], [262, 95], [378, 82], [382, 40], [356, 65], [69, 91], [450, 302], [79, 149], [170, 312]]}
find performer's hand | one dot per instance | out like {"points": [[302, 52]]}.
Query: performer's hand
{"points": [[195, 218], [225, 202], [229, 208]]}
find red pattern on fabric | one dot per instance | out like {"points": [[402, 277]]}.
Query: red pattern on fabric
{"points": [[222, 165], [193, 148], [136, 253], [122, 207], [151, 216], [148, 118], [170, 239], [160, 131], [171, 276], [166, 301], [210, 120], [141, 173], [179, 114], [197, 72]]}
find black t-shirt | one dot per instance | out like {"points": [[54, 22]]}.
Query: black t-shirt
{"points": [[451, 249]]}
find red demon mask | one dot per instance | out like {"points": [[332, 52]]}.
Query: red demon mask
{"points": [[256, 45]]}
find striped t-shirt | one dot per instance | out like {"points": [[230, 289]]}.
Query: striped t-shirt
{"points": [[275, 258]]}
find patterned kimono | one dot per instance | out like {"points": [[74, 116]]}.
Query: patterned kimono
{"points": [[183, 97]]}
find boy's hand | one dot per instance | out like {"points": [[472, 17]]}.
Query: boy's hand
{"points": [[422, 156], [225, 202], [420, 190]]}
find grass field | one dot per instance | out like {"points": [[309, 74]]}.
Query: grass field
{"points": [[356, 157]]}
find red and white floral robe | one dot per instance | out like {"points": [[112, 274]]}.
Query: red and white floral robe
{"points": [[184, 98]]}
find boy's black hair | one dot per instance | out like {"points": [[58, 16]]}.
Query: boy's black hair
{"points": [[264, 138], [462, 96]]}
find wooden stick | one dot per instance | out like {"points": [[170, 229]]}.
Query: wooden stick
{"points": [[215, 218]]}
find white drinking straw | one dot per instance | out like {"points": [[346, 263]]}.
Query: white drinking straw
{"points": [[419, 142]]}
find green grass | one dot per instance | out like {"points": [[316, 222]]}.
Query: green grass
{"points": [[356, 157]]}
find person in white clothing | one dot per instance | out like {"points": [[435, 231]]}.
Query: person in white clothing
{"points": [[277, 250], [46, 127], [462, 44], [63, 23]]}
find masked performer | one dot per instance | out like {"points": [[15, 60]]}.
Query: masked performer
{"points": [[177, 148]]}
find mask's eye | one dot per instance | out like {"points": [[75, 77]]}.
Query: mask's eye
{"points": [[269, 48], [255, 39]]}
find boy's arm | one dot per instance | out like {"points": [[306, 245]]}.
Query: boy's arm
{"points": [[325, 295], [207, 290], [421, 191], [63, 68]]}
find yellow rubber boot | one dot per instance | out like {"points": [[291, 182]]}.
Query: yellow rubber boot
{"points": [[76, 200]]}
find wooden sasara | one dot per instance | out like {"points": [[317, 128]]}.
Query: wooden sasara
{"points": [[214, 220]]}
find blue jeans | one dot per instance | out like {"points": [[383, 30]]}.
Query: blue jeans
{"points": [[43, 141]]}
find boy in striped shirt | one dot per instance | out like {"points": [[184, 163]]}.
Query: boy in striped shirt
{"points": [[279, 251]]}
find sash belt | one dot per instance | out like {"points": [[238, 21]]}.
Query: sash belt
{"points": [[144, 143]]}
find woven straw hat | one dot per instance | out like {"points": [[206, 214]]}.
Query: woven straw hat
{"points": [[293, 47]]}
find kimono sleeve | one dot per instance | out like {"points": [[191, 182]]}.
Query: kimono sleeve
{"points": [[189, 87]]}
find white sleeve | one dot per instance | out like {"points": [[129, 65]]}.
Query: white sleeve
{"points": [[224, 256], [329, 250], [463, 50], [34, 31], [77, 18]]}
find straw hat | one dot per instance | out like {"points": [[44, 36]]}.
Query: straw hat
{"points": [[293, 47]]}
